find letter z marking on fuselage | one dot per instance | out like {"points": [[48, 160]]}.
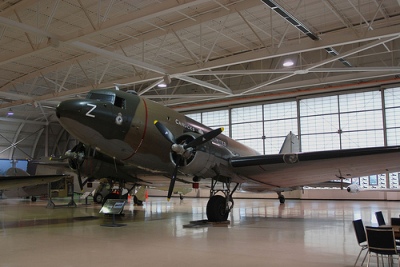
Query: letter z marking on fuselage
{"points": [[88, 113]]}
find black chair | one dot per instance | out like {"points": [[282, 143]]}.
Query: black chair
{"points": [[394, 221], [381, 241], [380, 218], [361, 238]]}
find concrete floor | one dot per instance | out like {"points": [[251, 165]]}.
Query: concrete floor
{"points": [[261, 233]]}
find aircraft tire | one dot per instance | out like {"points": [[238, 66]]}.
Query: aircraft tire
{"points": [[33, 199], [137, 201], [282, 199], [216, 209], [98, 198]]}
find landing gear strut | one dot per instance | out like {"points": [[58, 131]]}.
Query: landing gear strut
{"points": [[281, 198], [218, 206]]}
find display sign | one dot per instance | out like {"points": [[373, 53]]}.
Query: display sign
{"points": [[113, 206]]}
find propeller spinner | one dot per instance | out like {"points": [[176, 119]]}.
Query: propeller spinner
{"points": [[183, 150]]}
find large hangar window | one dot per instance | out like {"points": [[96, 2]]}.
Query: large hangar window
{"points": [[279, 120], [319, 123], [347, 120], [361, 121], [342, 121], [392, 112], [213, 119], [5, 164], [247, 126]]}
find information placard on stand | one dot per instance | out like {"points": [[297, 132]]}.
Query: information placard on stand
{"points": [[113, 207], [85, 196]]}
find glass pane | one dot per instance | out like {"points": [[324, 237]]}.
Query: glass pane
{"points": [[362, 139], [5, 164], [394, 180], [361, 120], [247, 130], [280, 110], [393, 136], [273, 145], [392, 117], [319, 105], [319, 124], [360, 101], [256, 144], [216, 118], [392, 97], [280, 127], [246, 114], [318, 142], [195, 116]]}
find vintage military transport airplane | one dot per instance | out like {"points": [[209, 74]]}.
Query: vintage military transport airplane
{"points": [[155, 141]]}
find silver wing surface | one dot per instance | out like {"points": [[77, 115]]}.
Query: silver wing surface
{"points": [[279, 171], [21, 181]]}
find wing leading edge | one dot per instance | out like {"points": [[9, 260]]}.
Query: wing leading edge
{"points": [[20, 181], [299, 169]]}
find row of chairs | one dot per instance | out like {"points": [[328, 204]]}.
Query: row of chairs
{"points": [[379, 240], [381, 220]]}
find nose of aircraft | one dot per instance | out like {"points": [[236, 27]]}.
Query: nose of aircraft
{"points": [[68, 108], [78, 116]]}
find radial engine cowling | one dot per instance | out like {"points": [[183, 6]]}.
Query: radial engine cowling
{"points": [[88, 162], [75, 156], [197, 161]]}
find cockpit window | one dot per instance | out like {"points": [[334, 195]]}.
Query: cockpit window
{"points": [[101, 97], [113, 99], [119, 102]]}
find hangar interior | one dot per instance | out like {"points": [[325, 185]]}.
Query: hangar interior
{"points": [[221, 62], [326, 70]]}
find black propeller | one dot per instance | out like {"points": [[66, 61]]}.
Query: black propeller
{"points": [[183, 150], [75, 158]]}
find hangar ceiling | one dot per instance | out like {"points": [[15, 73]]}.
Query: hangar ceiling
{"points": [[209, 52]]}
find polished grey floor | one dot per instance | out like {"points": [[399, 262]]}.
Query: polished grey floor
{"points": [[261, 233]]}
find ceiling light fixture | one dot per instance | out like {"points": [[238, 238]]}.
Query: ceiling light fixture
{"points": [[288, 63], [301, 27]]}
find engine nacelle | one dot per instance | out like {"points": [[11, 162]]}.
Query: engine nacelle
{"points": [[75, 156], [353, 188], [202, 159], [94, 164], [201, 165]]}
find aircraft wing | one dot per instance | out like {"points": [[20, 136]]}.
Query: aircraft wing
{"points": [[21, 181], [279, 171]]}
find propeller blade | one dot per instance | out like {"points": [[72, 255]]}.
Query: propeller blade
{"points": [[205, 138], [173, 178], [78, 170], [180, 150], [165, 132]]}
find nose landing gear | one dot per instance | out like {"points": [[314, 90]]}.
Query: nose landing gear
{"points": [[218, 206]]}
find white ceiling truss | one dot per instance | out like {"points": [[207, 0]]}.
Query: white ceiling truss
{"points": [[210, 52]]}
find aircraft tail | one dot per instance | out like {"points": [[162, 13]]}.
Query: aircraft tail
{"points": [[291, 144]]}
